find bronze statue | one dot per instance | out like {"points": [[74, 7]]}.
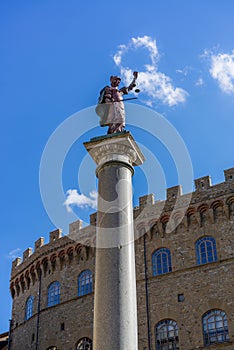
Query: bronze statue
{"points": [[110, 106]]}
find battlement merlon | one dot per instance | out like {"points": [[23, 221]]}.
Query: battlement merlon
{"points": [[55, 235], [146, 200], [174, 192], [202, 183], [202, 187], [75, 226], [55, 238], [16, 263], [229, 174], [27, 253], [39, 243]]}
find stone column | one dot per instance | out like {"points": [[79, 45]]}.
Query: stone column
{"points": [[115, 307]]}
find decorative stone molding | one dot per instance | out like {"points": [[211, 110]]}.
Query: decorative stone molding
{"points": [[121, 148]]}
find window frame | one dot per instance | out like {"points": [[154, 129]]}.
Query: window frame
{"points": [[169, 328], [53, 294], [29, 307], [212, 333], [206, 251], [85, 283], [87, 341], [161, 261]]}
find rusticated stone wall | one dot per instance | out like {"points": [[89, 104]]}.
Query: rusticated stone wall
{"points": [[183, 295]]}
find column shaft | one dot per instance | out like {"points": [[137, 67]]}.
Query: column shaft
{"points": [[115, 309]]}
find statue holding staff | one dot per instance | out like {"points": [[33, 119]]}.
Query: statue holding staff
{"points": [[110, 106]]}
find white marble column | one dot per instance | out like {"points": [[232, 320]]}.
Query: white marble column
{"points": [[115, 308]]}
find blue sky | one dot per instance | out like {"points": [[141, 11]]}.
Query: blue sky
{"points": [[56, 55]]}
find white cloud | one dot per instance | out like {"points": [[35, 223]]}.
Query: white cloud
{"points": [[13, 254], [150, 44], [118, 56], [199, 82], [185, 71], [154, 84], [222, 70], [180, 71], [80, 200]]}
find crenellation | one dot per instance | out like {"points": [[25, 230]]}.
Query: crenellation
{"points": [[205, 198], [146, 200], [229, 175], [75, 227], [16, 263], [55, 235], [148, 208], [174, 192], [27, 253], [203, 183], [39, 243], [93, 219], [56, 252], [31, 257]]}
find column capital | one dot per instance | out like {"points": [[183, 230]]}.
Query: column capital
{"points": [[115, 148]]}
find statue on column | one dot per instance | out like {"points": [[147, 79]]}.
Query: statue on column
{"points": [[110, 107]]}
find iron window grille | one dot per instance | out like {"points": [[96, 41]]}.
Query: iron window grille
{"points": [[166, 334], [85, 344], [215, 327]]}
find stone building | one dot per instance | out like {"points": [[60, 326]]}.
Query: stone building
{"points": [[3, 341], [184, 269]]}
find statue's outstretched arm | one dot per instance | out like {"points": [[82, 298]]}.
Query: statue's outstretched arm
{"points": [[131, 85]]}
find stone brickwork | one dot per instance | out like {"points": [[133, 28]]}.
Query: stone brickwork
{"points": [[184, 295]]}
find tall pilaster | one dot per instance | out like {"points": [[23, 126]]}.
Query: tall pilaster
{"points": [[115, 307]]}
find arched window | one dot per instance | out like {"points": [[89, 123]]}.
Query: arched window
{"points": [[166, 335], [215, 327], [84, 344], [53, 295], [85, 283], [29, 307], [161, 261], [52, 348], [206, 250]]}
